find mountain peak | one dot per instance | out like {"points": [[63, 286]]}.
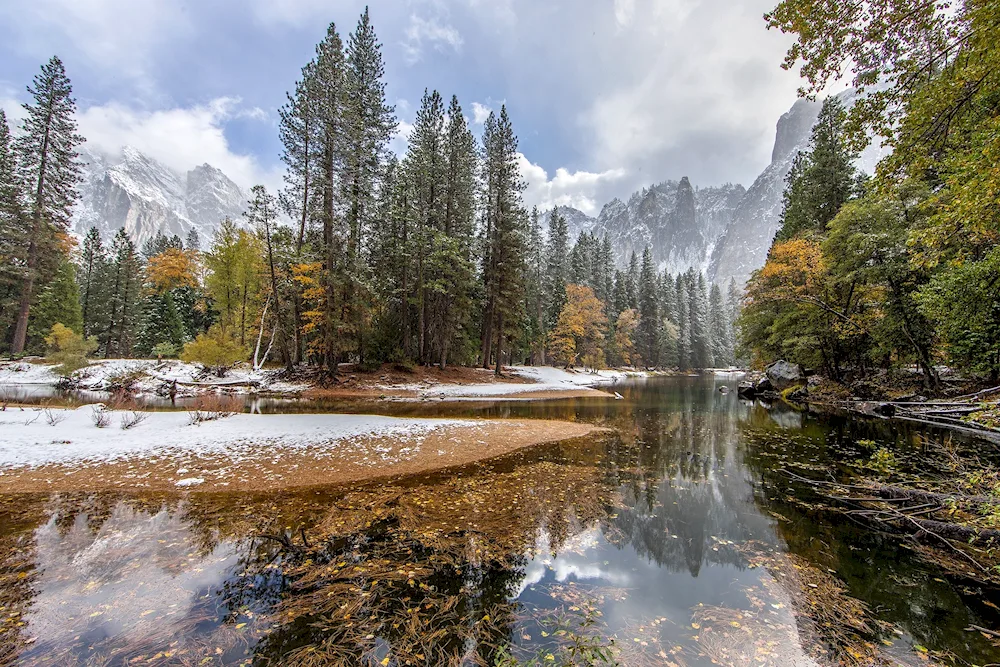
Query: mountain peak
{"points": [[135, 192]]}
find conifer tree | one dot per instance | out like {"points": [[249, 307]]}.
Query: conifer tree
{"points": [[193, 241], [719, 328], [425, 171], [556, 266], [505, 230], [821, 180], [57, 302], [92, 279], [452, 264], [12, 233], [125, 282], [683, 292], [632, 282], [49, 169], [701, 341], [327, 92], [535, 296], [368, 125], [649, 315]]}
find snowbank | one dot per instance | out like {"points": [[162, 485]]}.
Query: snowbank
{"points": [[546, 379], [145, 375], [28, 439]]}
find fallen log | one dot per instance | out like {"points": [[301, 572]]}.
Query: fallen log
{"points": [[954, 531], [904, 493]]}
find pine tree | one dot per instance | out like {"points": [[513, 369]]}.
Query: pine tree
{"points": [[368, 125], [125, 282], [327, 92], [92, 280], [701, 343], [632, 282], [649, 316], [719, 328], [668, 320], [452, 260], [822, 180], [535, 295], [13, 244], [684, 343], [556, 266], [426, 168], [49, 169], [57, 302], [193, 240], [505, 230]]}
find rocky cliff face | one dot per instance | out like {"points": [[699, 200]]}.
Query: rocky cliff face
{"points": [[138, 194], [679, 223], [743, 247], [747, 238]]}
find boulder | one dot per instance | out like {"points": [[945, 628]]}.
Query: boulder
{"points": [[785, 375], [746, 390], [799, 395], [764, 385]]}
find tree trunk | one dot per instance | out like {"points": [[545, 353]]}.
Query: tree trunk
{"points": [[499, 369], [23, 309]]}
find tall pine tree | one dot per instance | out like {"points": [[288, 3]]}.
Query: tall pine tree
{"points": [[49, 169]]}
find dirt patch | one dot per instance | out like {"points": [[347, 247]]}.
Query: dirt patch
{"points": [[270, 468]]}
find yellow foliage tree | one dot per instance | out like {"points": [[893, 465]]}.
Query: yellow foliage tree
{"points": [[579, 332], [68, 349], [173, 268], [216, 351]]}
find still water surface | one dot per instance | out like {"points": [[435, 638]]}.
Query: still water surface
{"points": [[676, 541]]}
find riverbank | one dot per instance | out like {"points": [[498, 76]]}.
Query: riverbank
{"points": [[65, 450], [19, 381]]}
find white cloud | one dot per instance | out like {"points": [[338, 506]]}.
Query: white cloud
{"points": [[422, 33], [118, 36], [181, 138], [480, 112], [624, 11], [584, 190]]}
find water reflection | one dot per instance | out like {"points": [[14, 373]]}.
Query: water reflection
{"points": [[673, 542]]}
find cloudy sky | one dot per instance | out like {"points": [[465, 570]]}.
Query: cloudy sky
{"points": [[606, 95]]}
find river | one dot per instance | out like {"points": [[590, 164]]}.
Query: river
{"points": [[677, 540]]}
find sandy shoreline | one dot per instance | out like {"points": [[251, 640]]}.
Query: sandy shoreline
{"points": [[326, 450]]}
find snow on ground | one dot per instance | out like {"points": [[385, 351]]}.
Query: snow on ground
{"points": [[148, 375], [27, 438], [546, 378]]}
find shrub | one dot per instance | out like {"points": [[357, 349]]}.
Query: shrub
{"points": [[215, 351], [132, 418], [68, 349], [101, 416]]}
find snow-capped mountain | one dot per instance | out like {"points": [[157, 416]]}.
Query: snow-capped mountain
{"points": [[680, 223], [137, 193], [743, 248]]}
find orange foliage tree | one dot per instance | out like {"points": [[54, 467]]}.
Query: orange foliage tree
{"points": [[579, 332], [173, 268]]}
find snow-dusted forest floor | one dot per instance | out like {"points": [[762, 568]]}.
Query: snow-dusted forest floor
{"points": [[149, 376]]}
